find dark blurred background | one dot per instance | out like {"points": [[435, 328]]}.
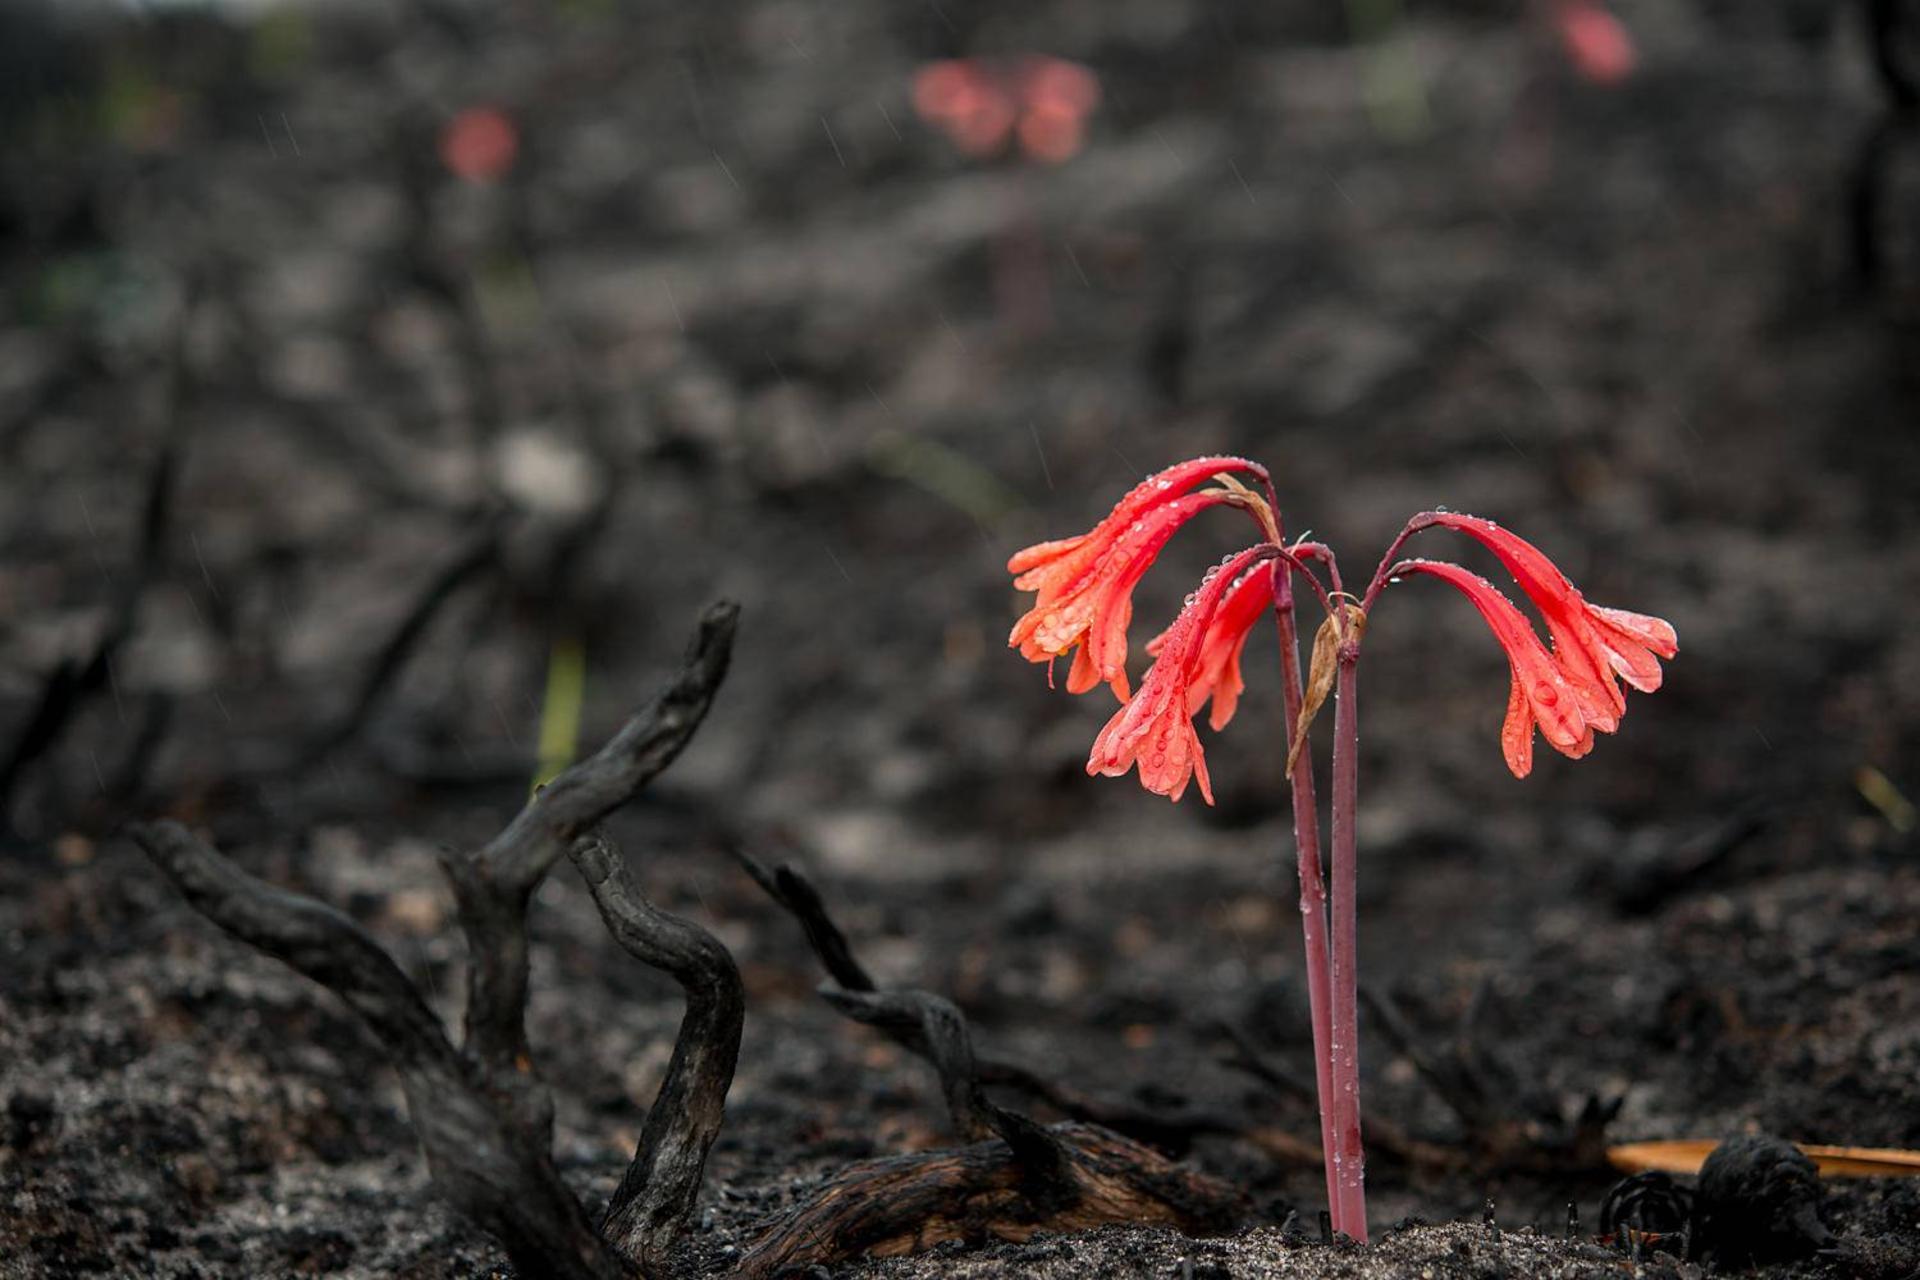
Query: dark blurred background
{"points": [[542, 325]]}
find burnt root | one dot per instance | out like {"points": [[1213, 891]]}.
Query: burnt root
{"points": [[988, 1190]]}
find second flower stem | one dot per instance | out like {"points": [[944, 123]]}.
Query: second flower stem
{"points": [[1346, 1160]]}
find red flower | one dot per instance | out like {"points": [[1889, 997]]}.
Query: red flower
{"points": [[1593, 644], [1085, 584], [1632, 642], [1596, 44], [1217, 675], [1155, 729], [1543, 692], [1059, 96], [1042, 101], [479, 144]]}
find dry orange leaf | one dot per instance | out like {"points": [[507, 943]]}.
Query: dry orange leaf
{"points": [[1686, 1155]]}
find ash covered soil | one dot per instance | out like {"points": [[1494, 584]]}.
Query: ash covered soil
{"points": [[739, 306]]}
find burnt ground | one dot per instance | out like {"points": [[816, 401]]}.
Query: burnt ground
{"points": [[736, 289]]}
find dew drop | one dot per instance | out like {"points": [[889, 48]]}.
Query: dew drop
{"points": [[1545, 694]]}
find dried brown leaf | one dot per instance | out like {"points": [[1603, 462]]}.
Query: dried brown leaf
{"points": [[1322, 670]]}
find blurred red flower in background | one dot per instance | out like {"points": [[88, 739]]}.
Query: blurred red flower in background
{"points": [[1596, 44], [479, 144], [1041, 102]]}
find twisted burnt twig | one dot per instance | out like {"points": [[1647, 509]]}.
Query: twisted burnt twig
{"points": [[492, 886], [657, 1193]]}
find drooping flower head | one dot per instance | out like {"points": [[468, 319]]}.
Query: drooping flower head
{"points": [[1217, 674], [1543, 692], [1084, 585], [1154, 730], [1593, 644]]}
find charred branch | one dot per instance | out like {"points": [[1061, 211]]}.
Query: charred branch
{"points": [[657, 1193], [489, 1167], [796, 893], [483, 1116], [904, 1204], [1172, 1131], [1026, 1177], [477, 552], [74, 681], [492, 887]]}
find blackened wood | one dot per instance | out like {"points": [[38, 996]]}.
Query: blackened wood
{"points": [[482, 1160], [73, 682], [475, 553], [1026, 1178], [796, 893], [491, 887], [931, 1028], [1172, 1132], [482, 1115], [904, 1204], [651, 1205]]}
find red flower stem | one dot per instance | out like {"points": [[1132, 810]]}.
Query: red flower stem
{"points": [[1384, 573], [1313, 894], [1299, 564], [1324, 554], [1348, 1159]]}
